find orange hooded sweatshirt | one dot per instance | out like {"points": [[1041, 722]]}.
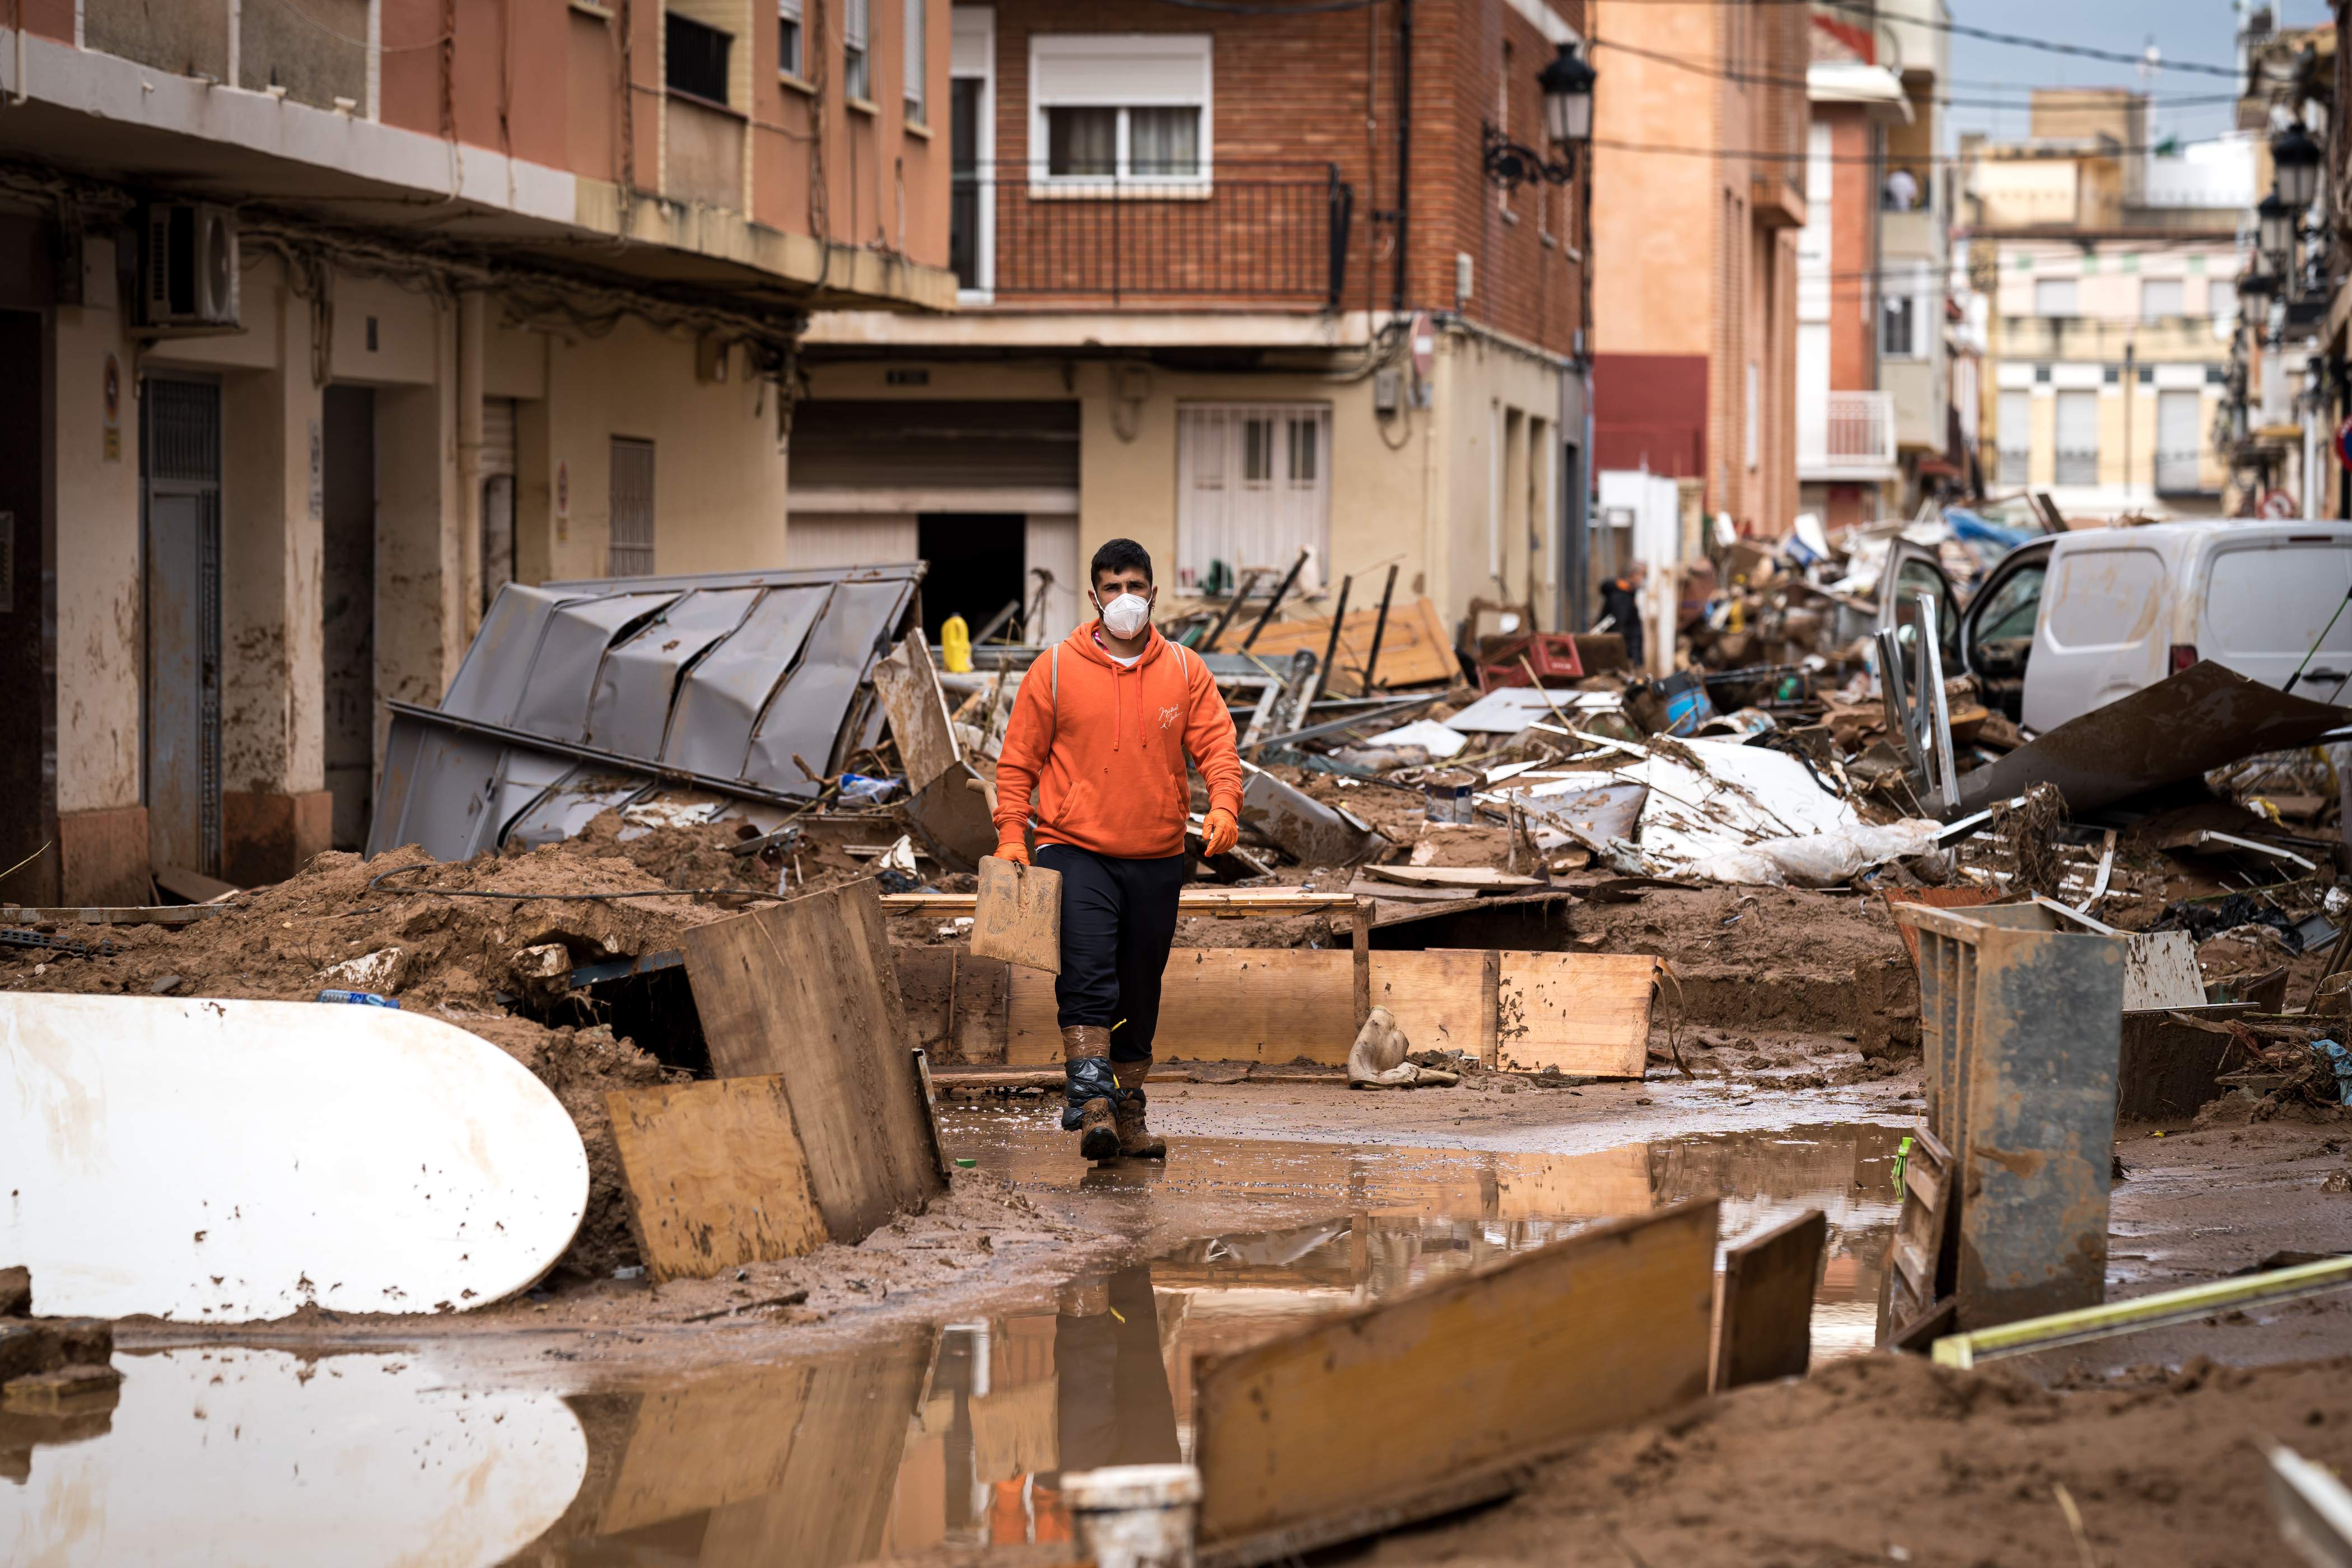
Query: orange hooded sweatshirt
{"points": [[1098, 749]]}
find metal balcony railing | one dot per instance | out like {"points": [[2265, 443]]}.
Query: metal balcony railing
{"points": [[1264, 233], [1854, 432]]}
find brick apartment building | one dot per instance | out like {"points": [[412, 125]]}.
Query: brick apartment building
{"points": [[319, 319], [1191, 246], [1699, 192]]}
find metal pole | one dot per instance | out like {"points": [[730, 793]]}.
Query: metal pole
{"points": [[1330, 649], [1280, 593], [1379, 630], [1209, 643]]}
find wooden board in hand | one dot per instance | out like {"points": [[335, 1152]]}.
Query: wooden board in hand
{"points": [[1019, 916]]}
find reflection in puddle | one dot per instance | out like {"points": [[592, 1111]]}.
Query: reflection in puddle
{"points": [[928, 1435], [244, 1455]]}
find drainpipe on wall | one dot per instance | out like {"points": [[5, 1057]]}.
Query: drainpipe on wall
{"points": [[471, 309]]}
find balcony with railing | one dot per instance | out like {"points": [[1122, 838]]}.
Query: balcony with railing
{"points": [[1267, 234], [2180, 473], [1848, 437]]}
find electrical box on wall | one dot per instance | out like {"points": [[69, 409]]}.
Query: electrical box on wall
{"points": [[188, 267], [1388, 392]]}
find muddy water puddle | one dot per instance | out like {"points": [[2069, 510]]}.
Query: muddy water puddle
{"points": [[947, 1434]]}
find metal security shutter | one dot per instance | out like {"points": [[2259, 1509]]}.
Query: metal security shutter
{"points": [[934, 445], [2016, 436], [2177, 441], [2078, 438], [631, 551]]}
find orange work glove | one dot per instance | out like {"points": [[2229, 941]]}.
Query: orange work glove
{"points": [[1219, 832], [1012, 850]]}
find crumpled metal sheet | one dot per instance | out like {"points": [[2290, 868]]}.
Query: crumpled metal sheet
{"points": [[725, 677], [2182, 726], [1303, 827]]}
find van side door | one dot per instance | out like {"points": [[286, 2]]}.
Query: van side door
{"points": [[2105, 627]]}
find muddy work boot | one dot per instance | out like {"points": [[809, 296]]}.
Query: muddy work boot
{"points": [[1135, 1139], [1093, 1091]]}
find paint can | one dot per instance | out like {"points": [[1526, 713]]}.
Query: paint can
{"points": [[1448, 798], [1135, 1516], [1686, 704]]}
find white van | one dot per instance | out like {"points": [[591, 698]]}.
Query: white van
{"points": [[2071, 623]]}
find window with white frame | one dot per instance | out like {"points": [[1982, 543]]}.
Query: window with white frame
{"points": [[915, 23], [788, 38], [1252, 489], [2053, 296], [856, 68], [1122, 108], [2222, 305]]}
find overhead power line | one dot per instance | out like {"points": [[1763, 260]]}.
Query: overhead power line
{"points": [[2044, 96]]}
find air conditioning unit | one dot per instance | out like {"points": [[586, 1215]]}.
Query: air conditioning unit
{"points": [[188, 275]]}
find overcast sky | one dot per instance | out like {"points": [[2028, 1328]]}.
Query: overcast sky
{"points": [[2200, 30]]}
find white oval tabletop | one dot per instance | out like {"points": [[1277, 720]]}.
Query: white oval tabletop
{"points": [[216, 1160]]}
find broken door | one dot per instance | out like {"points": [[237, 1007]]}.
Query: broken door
{"points": [[180, 426]]}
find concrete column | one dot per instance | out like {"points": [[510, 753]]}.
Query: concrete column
{"points": [[275, 810], [420, 582], [472, 308]]}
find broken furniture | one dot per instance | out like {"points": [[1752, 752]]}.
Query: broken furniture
{"points": [[217, 1160], [2019, 1024], [577, 697]]}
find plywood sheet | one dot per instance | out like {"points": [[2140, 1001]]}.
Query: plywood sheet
{"points": [[1766, 1328], [1018, 917], [1415, 650], [909, 689], [1276, 1004], [807, 989], [715, 1176], [1607, 1328], [1583, 1012]]}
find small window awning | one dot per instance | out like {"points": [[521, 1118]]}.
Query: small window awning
{"points": [[1851, 81]]}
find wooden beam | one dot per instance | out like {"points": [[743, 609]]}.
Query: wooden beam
{"points": [[1362, 923], [2163, 1309], [1229, 901], [714, 1174], [1469, 1379], [1766, 1328], [808, 990], [110, 915]]}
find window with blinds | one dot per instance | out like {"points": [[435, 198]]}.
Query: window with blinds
{"points": [[1253, 489], [917, 24]]}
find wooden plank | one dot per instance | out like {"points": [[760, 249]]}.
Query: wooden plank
{"points": [[1582, 1012], [1416, 650], [1276, 1004], [1478, 1373], [110, 914], [1452, 876], [1766, 1329], [807, 989], [714, 1174], [909, 689], [1438, 997], [1018, 916], [1360, 944], [1234, 902]]}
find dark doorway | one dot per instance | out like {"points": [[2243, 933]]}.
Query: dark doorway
{"points": [[978, 563], [179, 447], [347, 608], [25, 739]]}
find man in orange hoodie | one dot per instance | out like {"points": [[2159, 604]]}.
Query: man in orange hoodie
{"points": [[1095, 752]]}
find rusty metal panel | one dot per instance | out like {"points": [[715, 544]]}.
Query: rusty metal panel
{"points": [[1318, 835], [2022, 1027], [2180, 727]]}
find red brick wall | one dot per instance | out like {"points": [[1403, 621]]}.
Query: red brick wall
{"points": [[1294, 94], [1853, 256]]}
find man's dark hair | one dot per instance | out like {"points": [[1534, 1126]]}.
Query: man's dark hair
{"points": [[1118, 555]]}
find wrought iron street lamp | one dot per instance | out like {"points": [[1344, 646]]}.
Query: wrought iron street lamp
{"points": [[2296, 158], [1566, 86], [2275, 224]]}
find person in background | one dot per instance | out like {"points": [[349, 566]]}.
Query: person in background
{"points": [[1902, 191], [1621, 610], [1096, 750]]}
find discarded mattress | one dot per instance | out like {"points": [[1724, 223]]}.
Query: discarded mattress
{"points": [[226, 1160], [2205, 716], [575, 697]]}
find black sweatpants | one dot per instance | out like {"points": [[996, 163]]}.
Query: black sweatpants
{"points": [[1119, 918]]}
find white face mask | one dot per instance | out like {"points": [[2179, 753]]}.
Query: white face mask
{"points": [[1127, 614]]}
